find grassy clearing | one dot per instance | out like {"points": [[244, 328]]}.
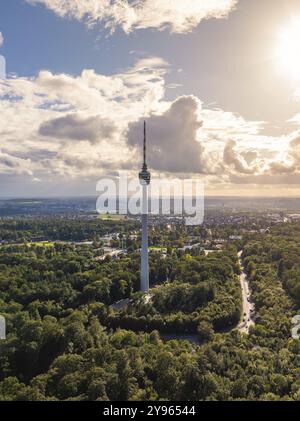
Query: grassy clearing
{"points": [[108, 217]]}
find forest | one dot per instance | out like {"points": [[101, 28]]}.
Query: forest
{"points": [[196, 291], [64, 228], [66, 342]]}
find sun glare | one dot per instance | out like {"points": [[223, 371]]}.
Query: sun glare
{"points": [[288, 49]]}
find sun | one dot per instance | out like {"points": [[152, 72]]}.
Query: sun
{"points": [[288, 48]]}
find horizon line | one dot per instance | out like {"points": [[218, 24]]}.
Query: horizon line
{"points": [[250, 196]]}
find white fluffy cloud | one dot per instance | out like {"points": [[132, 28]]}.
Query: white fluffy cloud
{"points": [[59, 124], [179, 15], [81, 127]]}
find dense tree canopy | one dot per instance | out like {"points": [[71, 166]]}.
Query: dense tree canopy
{"points": [[66, 342]]}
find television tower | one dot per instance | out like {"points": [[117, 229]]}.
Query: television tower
{"points": [[145, 178]]}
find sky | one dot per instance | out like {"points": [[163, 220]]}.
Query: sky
{"points": [[218, 82]]}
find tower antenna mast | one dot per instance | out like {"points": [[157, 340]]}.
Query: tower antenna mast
{"points": [[145, 146]]}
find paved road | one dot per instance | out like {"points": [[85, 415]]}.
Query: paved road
{"points": [[248, 307]]}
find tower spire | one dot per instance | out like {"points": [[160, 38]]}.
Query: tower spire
{"points": [[145, 140]]}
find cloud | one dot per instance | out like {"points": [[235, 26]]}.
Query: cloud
{"points": [[178, 16], [13, 165], [1, 39], [62, 123], [291, 162], [76, 127], [173, 145], [237, 161], [250, 156], [281, 169], [287, 180], [60, 126]]}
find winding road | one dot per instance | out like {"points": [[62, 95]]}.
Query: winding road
{"points": [[248, 306]]}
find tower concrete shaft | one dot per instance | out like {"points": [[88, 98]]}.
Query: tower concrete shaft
{"points": [[144, 251]]}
